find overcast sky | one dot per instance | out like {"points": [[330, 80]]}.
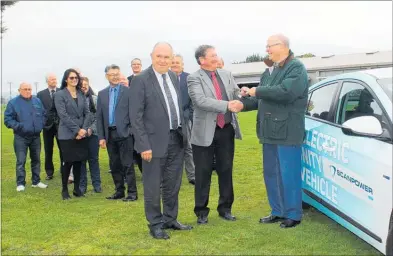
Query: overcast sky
{"points": [[53, 36]]}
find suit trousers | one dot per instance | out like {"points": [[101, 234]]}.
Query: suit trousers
{"points": [[282, 175], [222, 148], [167, 169], [48, 137], [120, 151]]}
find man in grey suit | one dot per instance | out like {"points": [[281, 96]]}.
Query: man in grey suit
{"points": [[114, 133], [214, 95], [160, 136]]}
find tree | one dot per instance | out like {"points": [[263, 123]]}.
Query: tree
{"points": [[4, 5], [307, 55], [255, 57]]}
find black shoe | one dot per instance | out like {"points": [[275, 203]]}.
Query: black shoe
{"points": [[158, 233], [98, 190], [115, 196], [49, 177], [192, 182], [78, 193], [228, 216], [130, 198], [175, 225], [202, 219], [271, 219], [65, 195], [288, 223]]}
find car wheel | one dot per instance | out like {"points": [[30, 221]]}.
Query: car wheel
{"points": [[389, 243]]}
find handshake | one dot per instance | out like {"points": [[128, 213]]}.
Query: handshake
{"points": [[235, 106]]}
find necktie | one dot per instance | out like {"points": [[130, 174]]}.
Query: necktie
{"points": [[51, 93], [220, 117], [172, 106]]}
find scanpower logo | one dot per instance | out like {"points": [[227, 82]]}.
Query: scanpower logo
{"points": [[348, 180]]}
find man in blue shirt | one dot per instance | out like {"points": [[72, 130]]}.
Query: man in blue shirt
{"points": [[25, 114], [114, 133]]}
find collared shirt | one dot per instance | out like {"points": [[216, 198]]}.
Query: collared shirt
{"points": [[173, 93], [228, 114], [113, 94]]}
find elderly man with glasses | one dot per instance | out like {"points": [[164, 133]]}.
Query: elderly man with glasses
{"points": [[281, 100], [25, 114]]}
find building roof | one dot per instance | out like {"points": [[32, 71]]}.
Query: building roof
{"points": [[355, 60]]}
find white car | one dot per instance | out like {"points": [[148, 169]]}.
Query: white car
{"points": [[347, 153]]}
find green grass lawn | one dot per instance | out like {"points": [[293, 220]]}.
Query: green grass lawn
{"points": [[37, 221]]}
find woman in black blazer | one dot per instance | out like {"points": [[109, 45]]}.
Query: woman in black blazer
{"points": [[75, 118]]}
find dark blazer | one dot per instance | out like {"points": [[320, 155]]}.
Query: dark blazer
{"points": [[130, 79], [122, 113], [47, 101], [149, 114], [72, 117], [187, 103]]}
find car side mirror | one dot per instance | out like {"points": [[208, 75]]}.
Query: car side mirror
{"points": [[363, 126]]}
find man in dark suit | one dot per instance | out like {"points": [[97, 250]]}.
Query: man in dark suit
{"points": [[159, 129], [50, 128], [114, 133], [136, 66], [178, 68]]}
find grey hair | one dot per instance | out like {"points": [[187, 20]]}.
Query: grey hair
{"points": [[201, 51], [113, 66], [48, 75], [160, 43], [178, 55], [283, 39], [136, 59]]}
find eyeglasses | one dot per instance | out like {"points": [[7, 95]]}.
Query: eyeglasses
{"points": [[270, 46], [73, 77], [114, 75], [26, 89]]}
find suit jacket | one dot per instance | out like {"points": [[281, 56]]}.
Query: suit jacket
{"points": [[187, 103], [72, 117], [206, 106], [47, 101], [149, 114], [122, 113], [130, 79]]}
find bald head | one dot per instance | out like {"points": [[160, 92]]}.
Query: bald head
{"points": [[25, 90], [51, 80], [281, 38], [277, 47], [161, 57], [162, 44]]}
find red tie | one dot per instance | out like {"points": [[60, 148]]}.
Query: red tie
{"points": [[220, 117]]}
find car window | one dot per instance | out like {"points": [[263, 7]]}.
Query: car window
{"points": [[356, 100], [320, 101]]}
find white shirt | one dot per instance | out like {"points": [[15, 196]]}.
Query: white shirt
{"points": [[173, 93]]}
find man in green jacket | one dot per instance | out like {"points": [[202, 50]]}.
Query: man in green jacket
{"points": [[281, 100]]}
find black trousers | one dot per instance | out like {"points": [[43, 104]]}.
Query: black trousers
{"points": [[65, 173], [167, 169], [222, 148], [120, 151], [48, 137]]}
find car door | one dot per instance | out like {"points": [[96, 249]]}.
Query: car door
{"points": [[317, 190]]}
